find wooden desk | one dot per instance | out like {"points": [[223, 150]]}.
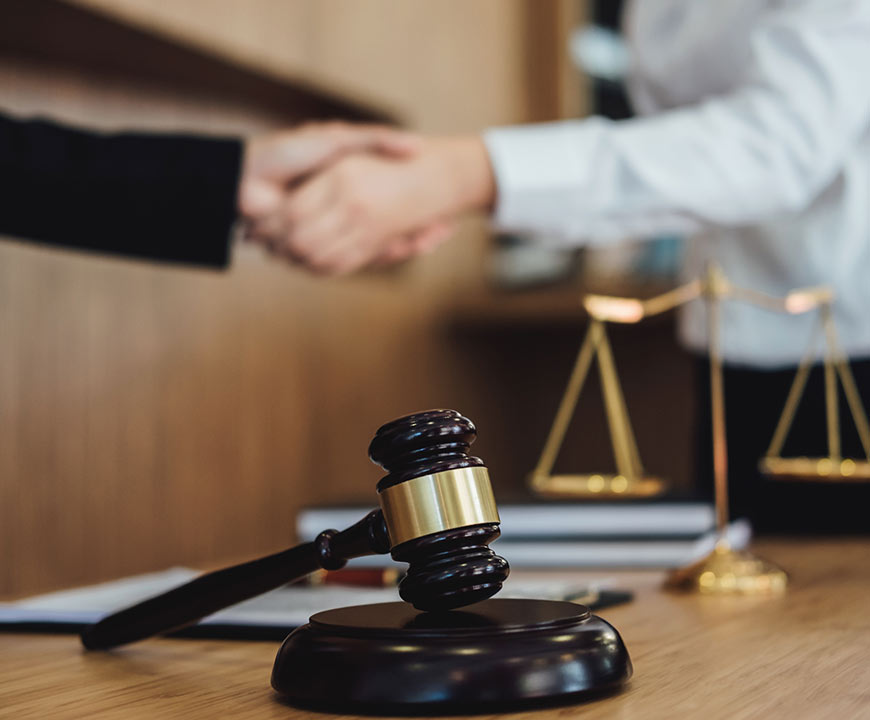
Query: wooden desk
{"points": [[804, 655]]}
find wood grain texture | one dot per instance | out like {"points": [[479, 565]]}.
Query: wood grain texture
{"points": [[433, 52], [803, 655], [556, 89], [66, 36]]}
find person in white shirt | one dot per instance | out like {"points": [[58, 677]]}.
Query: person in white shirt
{"points": [[753, 138]]}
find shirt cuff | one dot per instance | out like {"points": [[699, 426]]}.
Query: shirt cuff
{"points": [[541, 172]]}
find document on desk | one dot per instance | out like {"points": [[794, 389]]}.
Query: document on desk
{"points": [[269, 616]]}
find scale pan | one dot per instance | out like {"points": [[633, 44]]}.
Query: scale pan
{"points": [[598, 486], [815, 469]]}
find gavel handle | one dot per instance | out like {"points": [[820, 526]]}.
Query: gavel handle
{"points": [[216, 590]]}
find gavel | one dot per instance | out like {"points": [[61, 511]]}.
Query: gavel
{"points": [[437, 513]]}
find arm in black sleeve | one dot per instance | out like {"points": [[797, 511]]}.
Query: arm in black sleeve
{"points": [[159, 197]]}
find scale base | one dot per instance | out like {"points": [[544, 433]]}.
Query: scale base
{"points": [[729, 572], [493, 656]]}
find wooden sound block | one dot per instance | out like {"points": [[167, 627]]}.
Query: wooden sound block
{"points": [[494, 655]]}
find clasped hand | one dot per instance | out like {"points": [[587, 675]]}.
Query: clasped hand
{"points": [[337, 197]]}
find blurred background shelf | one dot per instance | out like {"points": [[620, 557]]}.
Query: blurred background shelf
{"points": [[68, 38], [559, 305]]}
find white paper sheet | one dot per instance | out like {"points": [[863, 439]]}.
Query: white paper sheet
{"points": [[287, 606]]}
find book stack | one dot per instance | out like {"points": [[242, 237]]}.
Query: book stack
{"points": [[630, 534]]}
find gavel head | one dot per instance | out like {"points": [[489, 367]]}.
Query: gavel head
{"points": [[439, 510]]}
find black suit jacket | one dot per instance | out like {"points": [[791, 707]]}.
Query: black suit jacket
{"points": [[159, 197]]}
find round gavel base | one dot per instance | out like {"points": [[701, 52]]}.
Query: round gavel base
{"points": [[493, 656]]}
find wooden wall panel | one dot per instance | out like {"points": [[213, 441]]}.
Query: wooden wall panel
{"points": [[444, 65], [146, 414]]}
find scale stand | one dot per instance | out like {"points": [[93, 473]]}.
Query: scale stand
{"points": [[725, 571]]}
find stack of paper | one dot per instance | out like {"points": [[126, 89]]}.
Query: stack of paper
{"points": [[571, 535]]}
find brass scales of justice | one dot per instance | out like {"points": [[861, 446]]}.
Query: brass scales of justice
{"points": [[725, 570]]}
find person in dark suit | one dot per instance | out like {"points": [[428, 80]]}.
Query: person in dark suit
{"points": [[166, 197]]}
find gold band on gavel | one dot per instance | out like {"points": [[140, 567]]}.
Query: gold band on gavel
{"points": [[442, 501]]}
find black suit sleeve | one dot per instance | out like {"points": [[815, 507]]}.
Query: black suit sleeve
{"points": [[158, 197]]}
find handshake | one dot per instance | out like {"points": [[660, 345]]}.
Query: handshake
{"points": [[336, 197]]}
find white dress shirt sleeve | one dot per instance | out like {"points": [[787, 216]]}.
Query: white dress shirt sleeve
{"points": [[770, 146]]}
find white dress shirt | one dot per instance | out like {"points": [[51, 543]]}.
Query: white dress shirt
{"points": [[753, 138]]}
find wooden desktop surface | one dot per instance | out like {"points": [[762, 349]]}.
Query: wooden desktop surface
{"points": [[803, 655]]}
